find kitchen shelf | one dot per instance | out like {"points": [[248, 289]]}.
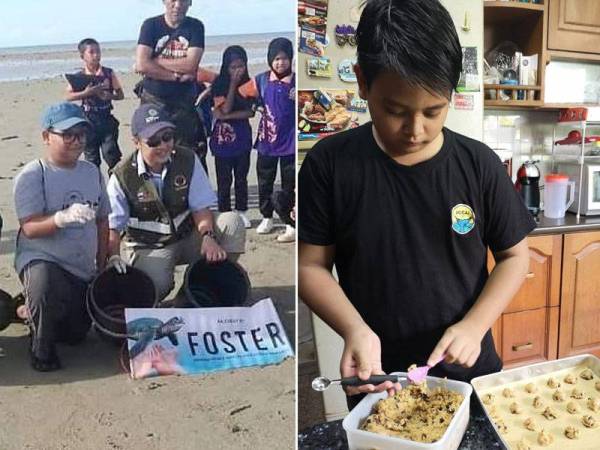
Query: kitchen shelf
{"points": [[512, 104], [524, 25], [581, 158], [504, 13], [515, 5], [530, 91]]}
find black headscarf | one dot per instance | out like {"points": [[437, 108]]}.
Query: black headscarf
{"points": [[220, 86], [280, 45]]}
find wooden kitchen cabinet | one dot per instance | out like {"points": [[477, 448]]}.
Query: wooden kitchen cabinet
{"points": [[527, 337], [527, 331], [574, 26], [580, 295], [541, 287], [524, 24]]}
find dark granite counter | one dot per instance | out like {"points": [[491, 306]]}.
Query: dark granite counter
{"points": [[479, 435], [568, 224]]}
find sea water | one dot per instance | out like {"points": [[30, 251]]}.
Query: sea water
{"points": [[49, 61]]}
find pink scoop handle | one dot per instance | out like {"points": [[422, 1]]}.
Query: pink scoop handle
{"points": [[419, 374]]}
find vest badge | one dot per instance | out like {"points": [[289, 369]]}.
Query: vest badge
{"points": [[180, 182]]}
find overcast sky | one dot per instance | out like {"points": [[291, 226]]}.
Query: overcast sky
{"points": [[46, 22]]}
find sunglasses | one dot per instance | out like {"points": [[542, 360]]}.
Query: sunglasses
{"points": [[156, 140], [69, 136]]}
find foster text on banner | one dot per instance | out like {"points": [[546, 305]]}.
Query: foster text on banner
{"points": [[201, 340]]}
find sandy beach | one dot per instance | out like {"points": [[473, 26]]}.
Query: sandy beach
{"points": [[92, 403]]}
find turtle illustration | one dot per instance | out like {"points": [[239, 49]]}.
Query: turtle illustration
{"points": [[146, 330]]}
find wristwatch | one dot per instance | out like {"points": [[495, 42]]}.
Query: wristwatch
{"points": [[211, 234]]}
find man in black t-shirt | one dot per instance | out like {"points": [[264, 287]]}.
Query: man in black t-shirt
{"points": [[170, 47], [406, 210]]}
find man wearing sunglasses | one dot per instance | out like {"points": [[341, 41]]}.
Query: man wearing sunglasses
{"points": [[160, 198], [62, 207]]}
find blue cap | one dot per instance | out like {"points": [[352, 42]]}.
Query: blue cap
{"points": [[148, 120], [63, 116]]}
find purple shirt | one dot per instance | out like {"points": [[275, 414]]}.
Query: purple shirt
{"points": [[277, 127], [231, 137]]}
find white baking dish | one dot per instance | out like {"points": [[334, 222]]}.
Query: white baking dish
{"points": [[521, 374], [365, 440]]}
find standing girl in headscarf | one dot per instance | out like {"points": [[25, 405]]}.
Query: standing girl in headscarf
{"points": [[231, 138], [276, 132]]}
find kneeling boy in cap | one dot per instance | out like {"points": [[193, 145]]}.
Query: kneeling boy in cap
{"points": [[62, 207]]}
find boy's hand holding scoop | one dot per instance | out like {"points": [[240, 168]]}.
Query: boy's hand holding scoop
{"points": [[460, 344]]}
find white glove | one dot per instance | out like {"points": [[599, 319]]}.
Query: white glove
{"points": [[118, 263], [76, 213]]}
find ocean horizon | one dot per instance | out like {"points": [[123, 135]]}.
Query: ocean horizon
{"points": [[50, 61]]}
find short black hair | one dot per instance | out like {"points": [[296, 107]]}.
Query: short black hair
{"points": [[85, 42], [414, 38]]}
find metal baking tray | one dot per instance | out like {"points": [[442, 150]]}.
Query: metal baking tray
{"points": [[526, 372]]}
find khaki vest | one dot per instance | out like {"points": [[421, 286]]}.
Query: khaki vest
{"points": [[153, 220]]}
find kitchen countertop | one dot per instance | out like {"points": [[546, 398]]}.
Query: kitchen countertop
{"points": [[568, 224], [330, 435]]}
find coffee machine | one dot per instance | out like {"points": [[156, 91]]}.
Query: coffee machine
{"points": [[528, 186]]}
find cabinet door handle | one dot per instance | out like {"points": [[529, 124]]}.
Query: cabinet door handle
{"points": [[530, 275], [518, 348]]}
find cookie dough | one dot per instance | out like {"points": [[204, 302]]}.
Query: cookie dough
{"points": [[550, 413], [523, 445], [588, 421], [587, 374], [415, 413], [572, 433], [502, 428], [572, 407], [531, 388], [515, 408], [530, 424], [553, 383], [508, 393], [598, 385], [558, 396], [545, 438], [570, 379], [487, 399], [538, 402], [576, 393], [593, 404]]}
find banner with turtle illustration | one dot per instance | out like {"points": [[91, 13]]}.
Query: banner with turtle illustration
{"points": [[202, 340]]}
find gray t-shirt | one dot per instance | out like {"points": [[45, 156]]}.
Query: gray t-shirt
{"points": [[44, 189]]}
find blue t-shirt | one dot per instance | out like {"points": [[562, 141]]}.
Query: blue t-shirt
{"points": [[170, 43]]}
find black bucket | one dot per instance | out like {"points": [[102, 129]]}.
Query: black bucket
{"points": [[209, 285], [7, 309], [111, 292]]}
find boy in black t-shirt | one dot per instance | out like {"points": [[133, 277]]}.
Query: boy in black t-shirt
{"points": [[96, 102], [406, 210], [169, 50]]}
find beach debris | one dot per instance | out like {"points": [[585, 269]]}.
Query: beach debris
{"points": [[8, 138], [237, 429], [6, 178], [240, 409], [154, 385]]}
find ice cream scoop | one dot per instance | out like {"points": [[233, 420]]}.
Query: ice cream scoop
{"points": [[322, 383]]}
